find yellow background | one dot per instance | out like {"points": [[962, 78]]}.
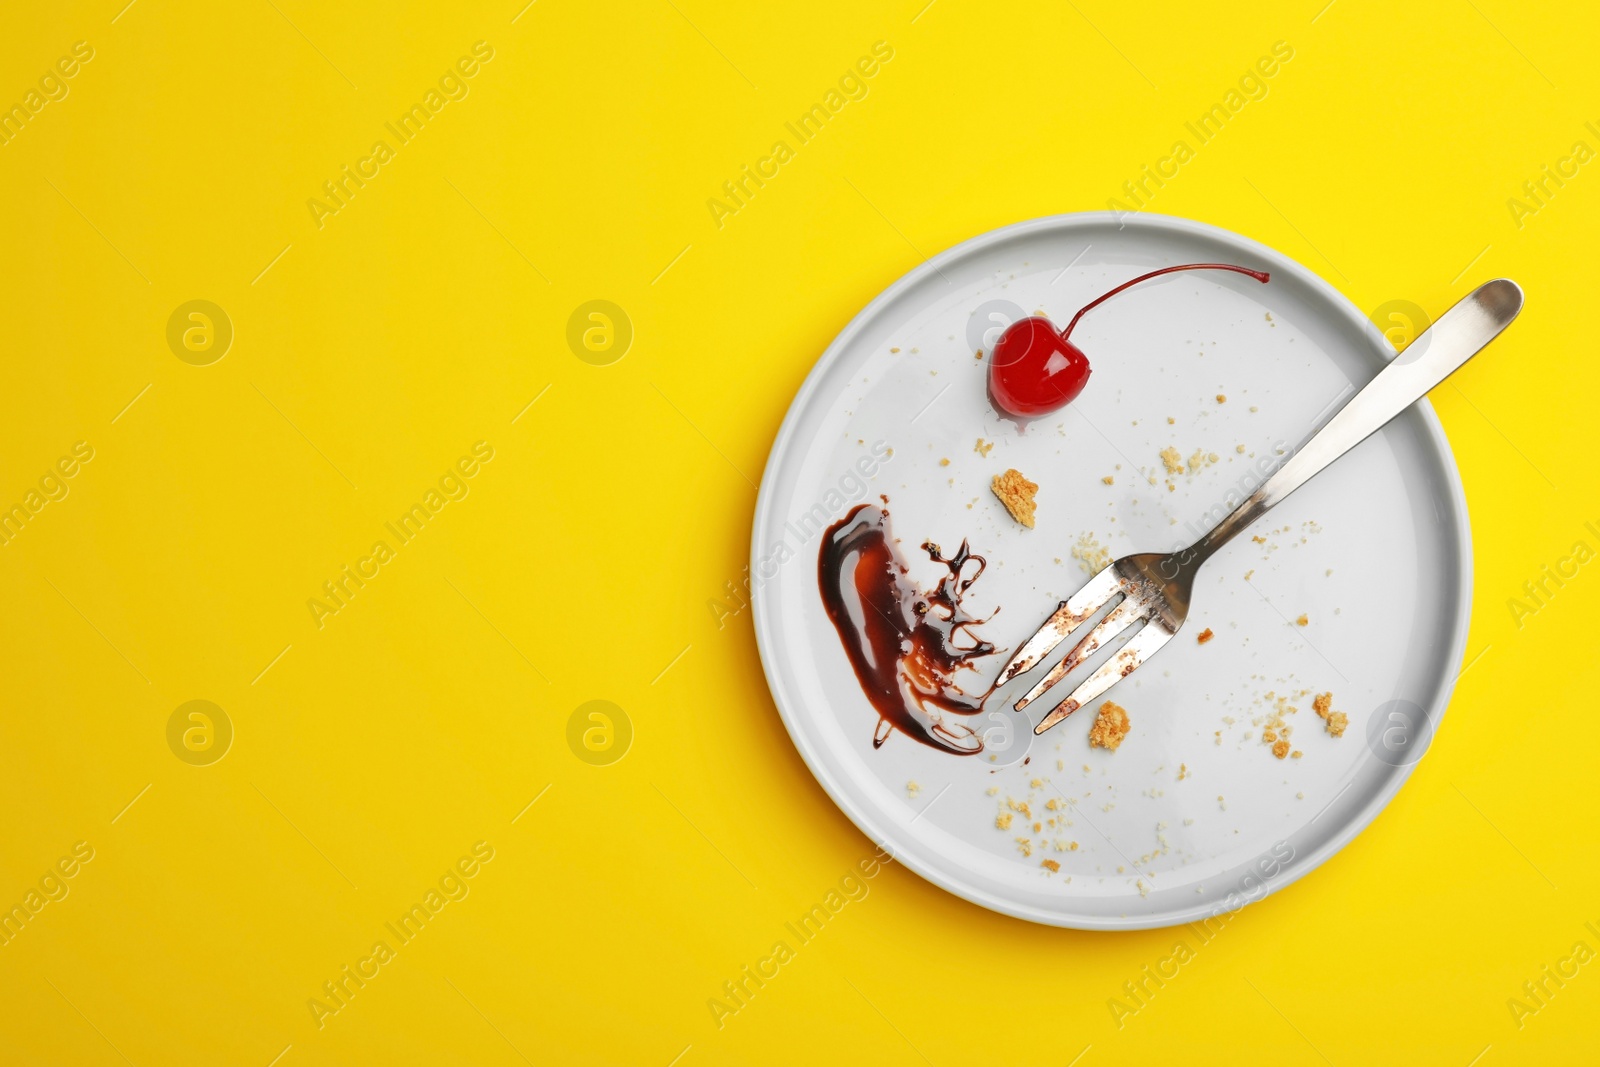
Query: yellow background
{"points": [[371, 753]]}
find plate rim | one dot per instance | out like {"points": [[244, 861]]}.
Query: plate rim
{"points": [[789, 705]]}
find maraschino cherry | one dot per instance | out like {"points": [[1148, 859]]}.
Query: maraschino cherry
{"points": [[1034, 369]]}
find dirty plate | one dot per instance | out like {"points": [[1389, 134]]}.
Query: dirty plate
{"points": [[1358, 585]]}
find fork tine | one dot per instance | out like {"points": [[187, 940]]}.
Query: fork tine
{"points": [[1127, 660], [1071, 613], [1122, 616]]}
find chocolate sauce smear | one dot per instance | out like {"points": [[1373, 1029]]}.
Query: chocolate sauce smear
{"points": [[902, 641]]}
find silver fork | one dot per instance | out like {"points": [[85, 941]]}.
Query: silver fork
{"points": [[1154, 588]]}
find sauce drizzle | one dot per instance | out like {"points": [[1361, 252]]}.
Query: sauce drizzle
{"points": [[906, 646]]}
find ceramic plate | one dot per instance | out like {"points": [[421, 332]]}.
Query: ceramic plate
{"points": [[1358, 585]]}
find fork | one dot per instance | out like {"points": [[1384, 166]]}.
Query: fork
{"points": [[1154, 588]]}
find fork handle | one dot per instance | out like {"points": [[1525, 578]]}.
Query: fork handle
{"points": [[1457, 336]]}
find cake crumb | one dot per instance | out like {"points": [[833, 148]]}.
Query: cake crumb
{"points": [[894, 351], [1205, 635], [1016, 493], [1092, 554], [1281, 749], [978, 354], [1050, 865], [983, 447], [912, 789], [1171, 421], [1221, 399], [1183, 771], [1322, 704], [1172, 459], [1239, 449], [1302, 621], [945, 462], [1110, 727], [1108, 480], [1002, 821]]}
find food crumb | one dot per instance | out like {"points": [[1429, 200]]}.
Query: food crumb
{"points": [[945, 462], [1183, 771], [1205, 635], [1302, 621], [1110, 727], [1281, 749], [1171, 421], [1002, 821], [978, 354], [1239, 449], [1108, 480], [894, 351], [1016, 493], [983, 447], [1172, 459], [1050, 865], [1093, 555], [1322, 704], [912, 789], [1221, 399]]}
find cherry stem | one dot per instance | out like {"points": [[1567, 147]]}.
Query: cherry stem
{"points": [[1259, 275]]}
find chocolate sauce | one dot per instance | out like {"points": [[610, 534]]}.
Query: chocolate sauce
{"points": [[902, 641]]}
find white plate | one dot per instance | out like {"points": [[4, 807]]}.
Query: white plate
{"points": [[1375, 552]]}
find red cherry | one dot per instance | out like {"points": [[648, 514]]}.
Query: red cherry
{"points": [[1034, 369]]}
